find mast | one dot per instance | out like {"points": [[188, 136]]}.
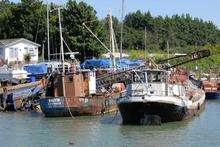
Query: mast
{"points": [[122, 27], [62, 53], [145, 42], [48, 32], [112, 38], [168, 50]]}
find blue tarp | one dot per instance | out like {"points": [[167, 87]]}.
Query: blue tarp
{"points": [[96, 63], [36, 69], [101, 63], [126, 63]]}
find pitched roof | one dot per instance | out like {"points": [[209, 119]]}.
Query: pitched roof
{"points": [[8, 42]]}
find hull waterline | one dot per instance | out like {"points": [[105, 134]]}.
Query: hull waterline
{"points": [[139, 113], [212, 95], [58, 107]]}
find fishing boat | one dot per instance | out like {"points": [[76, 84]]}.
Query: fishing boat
{"points": [[76, 97], [212, 89], [73, 93], [157, 96]]}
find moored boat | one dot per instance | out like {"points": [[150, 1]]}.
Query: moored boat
{"points": [[212, 89], [74, 93], [78, 97], [11, 75], [155, 97]]}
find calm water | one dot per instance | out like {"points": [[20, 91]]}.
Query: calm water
{"points": [[25, 129]]}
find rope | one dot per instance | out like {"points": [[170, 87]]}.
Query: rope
{"points": [[67, 45], [69, 108]]}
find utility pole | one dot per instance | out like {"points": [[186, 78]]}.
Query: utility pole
{"points": [[48, 33], [122, 27]]}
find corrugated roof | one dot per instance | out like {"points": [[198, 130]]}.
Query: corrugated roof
{"points": [[6, 42]]}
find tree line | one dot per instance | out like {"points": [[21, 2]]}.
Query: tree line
{"points": [[27, 19], [178, 31]]}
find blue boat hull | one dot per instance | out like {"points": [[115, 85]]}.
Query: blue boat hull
{"points": [[212, 95], [56, 107]]}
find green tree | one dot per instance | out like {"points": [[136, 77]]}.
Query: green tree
{"points": [[79, 39]]}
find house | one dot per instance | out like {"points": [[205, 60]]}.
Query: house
{"points": [[14, 50]]}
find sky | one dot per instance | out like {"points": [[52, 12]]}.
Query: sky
{"points": [[205, 9]]}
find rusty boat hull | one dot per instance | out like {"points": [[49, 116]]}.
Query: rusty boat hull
{"points": [[66, 107]]}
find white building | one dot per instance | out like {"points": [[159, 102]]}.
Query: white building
{"points": [[13, 50]]}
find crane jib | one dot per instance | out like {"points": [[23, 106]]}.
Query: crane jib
{"points": [[186, 58]]}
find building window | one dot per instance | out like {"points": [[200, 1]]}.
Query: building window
{"points": [[13, 52], [31, 51], [26, 50], [1, 51]]}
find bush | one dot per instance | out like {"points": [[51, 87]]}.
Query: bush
{"points": [[27, 58]]}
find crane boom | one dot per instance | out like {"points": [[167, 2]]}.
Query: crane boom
{"points": [[183, 59]]}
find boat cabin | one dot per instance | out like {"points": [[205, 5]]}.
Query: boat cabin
{"points": [[149, 76], [77, 84], [153, 82]]}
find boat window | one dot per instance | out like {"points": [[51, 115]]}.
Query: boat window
{"points": [[156, 76], [138, 77]]}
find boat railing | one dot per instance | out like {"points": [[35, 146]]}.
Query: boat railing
{"points": [[135, 92]]}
